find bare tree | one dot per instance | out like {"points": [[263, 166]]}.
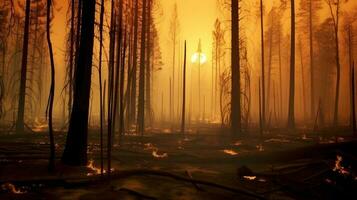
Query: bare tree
{"points": [[75, 152], [291, 113], [235, 67]]}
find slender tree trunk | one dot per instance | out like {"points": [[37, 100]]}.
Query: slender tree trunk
{"points": [[135, 61], [260, 111], [121, 96], [280, 77], [102, 10], [21, 107], [141, 109], [270, 61], [75, 152], [312, 86], [71, 52], [51, 96], [111, 85], [148, 68], [302, 81], [262, 60], [235, 96], [184, 93], [338, 65], [291, 114], [353, 99]]}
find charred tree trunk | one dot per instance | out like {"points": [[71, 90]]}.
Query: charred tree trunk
{"points": [[235, 59], [121, 95], [148, 67], [51, 96], [184, 93], [291, 114], [71, 52], [262, 60], [102, 9], [312, 86], [338, 65], [353, 99], [141, 105], [21, 106], [110, 85], [135, 61], [75, 152]]}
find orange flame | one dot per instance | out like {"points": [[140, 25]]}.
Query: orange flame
{"points": [[251, 178], [230, 152], [11, 188]]}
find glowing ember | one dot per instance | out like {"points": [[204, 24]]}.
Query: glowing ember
{"points": [[230, 152], [95, 170], [11, 188], [338, 166], [277, 140], [156, 154], [238, 143], [155, 151], [260, 147], [251, 178]]}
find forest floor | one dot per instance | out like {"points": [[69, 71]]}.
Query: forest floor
{"points": [[164, 165]]}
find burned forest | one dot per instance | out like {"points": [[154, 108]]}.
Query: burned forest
{"points": [[206, 99]]}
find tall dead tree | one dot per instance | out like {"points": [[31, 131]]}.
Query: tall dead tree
{"points": [[101, 20], [75, 152], [22, 93], [235, 67], [335, 16], [133, 93], [262, 61], [148, 63], [184, 93], [141, 103], [174, 28], [308, 10], [291, 113], [51, 96]]}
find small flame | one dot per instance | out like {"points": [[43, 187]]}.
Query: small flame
{"points": [[238, 143], [338, 166], [155, 151], [251, 178], [95, 170], [11, 188], [156, 154], [260, 147], [230, 152]]}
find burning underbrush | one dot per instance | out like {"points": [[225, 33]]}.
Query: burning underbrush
{"points": [[93, 170], [155, 152], [11, 188]]}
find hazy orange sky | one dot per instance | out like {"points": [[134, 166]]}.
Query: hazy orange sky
{"points": [[197, 18]]}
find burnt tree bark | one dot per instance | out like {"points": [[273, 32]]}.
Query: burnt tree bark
{"points": [[235, 67], [141, 103], [262, 60], [21, 106], [291, 113], [52, 158], [102, 9], [75, 152], [184, 93]]}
